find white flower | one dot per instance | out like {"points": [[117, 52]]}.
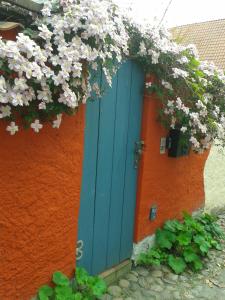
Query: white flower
{"points": [[167, 85], [36, 126], [195, 143], [20, 84], [154, 55], [45, 33], [148, 85], [5, 111], [12, 128], [42, 105], [2, 84], [57, 122], [183, 60], [94, 66], [96, 89], [183, 129], [179, 103], [170, 103], [179, 73], [142, 49]]}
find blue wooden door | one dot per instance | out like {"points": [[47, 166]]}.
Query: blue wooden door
{"points": [[108, 195]]}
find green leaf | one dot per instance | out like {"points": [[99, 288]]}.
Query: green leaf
{"points": [[184, 238], [45, 292], [173, 225], [216, 245], [197, 264], [190, 256], [99, 287], [60, 279], [202, 243], [177, 264], [82, 276], [165, 238], [64, 292], [77, 296]]}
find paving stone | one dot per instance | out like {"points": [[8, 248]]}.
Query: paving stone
{"points": [[160, 283], [157, 273], [106, 297], [156, 288], [150, 280], [134, 273], [143, 283], [176, 295], [124, 284], [172, 277], [169, 281], [142, 271], [134, 286], [137, 295], [166, 295], [115, 290], [132, 277], [149, 294]]}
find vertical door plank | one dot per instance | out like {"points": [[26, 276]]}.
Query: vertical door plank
{"points": [[104, 174], [119, 162], [137, 88], [87, 198]]}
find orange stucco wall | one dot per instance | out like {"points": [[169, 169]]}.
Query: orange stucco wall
{"points": [[40, 177], [173, 184]]}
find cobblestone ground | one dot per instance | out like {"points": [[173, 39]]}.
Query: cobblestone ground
{"points": [[159, 283]]}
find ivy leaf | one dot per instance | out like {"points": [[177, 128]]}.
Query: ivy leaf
{"points": [[165, 238], [60, 279], [45, 292], [177, 264]]}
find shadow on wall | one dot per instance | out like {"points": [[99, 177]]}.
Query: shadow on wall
{"points": [[214, 177]]}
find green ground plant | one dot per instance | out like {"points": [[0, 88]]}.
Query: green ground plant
{"points": [[81, 287], [182, 245]]}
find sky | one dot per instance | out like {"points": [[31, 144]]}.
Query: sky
{"points": [[180, 12]]}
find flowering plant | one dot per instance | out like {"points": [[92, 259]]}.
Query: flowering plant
{"points": [[46, 71], [192, 93]]}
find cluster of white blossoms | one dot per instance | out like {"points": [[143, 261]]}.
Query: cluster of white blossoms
{"points": [[48, 73], [192, 92], [50, 70]]}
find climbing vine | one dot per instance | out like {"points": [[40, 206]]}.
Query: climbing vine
{"points": [[45, 73]]}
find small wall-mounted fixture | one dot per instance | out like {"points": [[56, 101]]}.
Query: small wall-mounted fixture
{"points": [[177, 144], [153, 213], [163, 145]]}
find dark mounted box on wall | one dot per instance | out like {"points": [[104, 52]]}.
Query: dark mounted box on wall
{"points": [[177, 144]]}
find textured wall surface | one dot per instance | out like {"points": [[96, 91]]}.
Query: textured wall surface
{"points": [[215, 180], [173, 184], [40, 177]]}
